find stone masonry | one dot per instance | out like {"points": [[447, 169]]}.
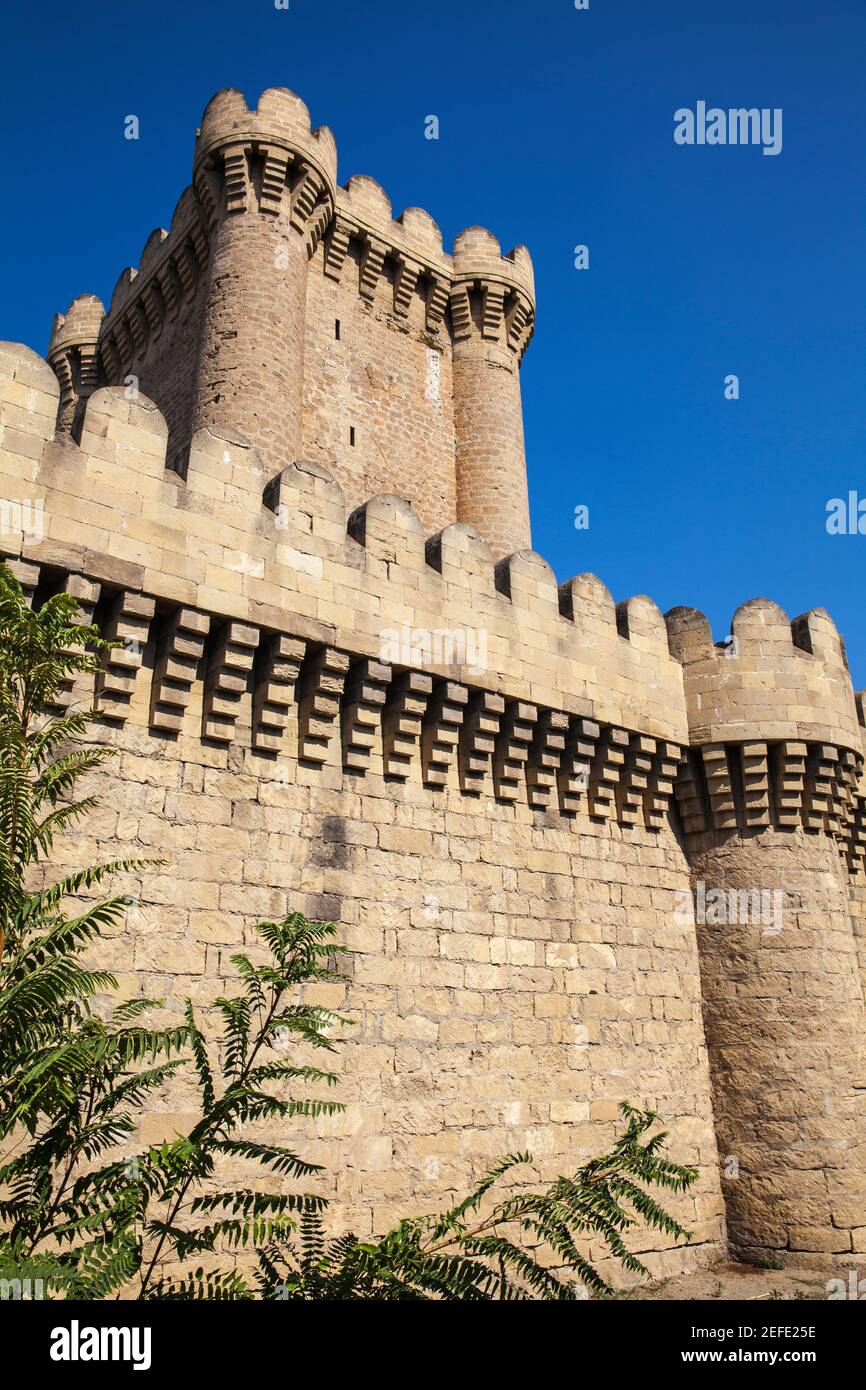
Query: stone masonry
{"points": [[286, 470]]}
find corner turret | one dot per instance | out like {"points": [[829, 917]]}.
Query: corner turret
{"points": [[73, 354], [492, 315]]}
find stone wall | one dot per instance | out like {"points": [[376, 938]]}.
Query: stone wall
{"points": [[378, 407], [498, 852], [510, 979]]}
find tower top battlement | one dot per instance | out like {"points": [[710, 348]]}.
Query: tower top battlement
{"points": [[280, 118], [772, 678]]}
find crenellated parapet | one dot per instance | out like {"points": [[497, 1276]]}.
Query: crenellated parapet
{"points": [[772, 724], [149, 299], [268, 160], [378, 644], [408, 246], [149, 333], [492, 296], [805, 690]]}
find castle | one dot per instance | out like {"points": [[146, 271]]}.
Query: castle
{"points": [[285, 471]]}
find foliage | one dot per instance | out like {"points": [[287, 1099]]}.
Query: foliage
{"points": [[525, 1245], [92, 1218]]}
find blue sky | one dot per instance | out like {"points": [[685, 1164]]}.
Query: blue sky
{"points": [[556, 129]]}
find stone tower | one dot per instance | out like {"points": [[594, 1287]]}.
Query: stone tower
{"points": [[776, 747], [286, 471], [301, 315]]}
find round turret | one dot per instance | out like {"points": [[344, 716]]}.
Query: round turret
{"points": [[768, 800], [72, 352], [492, 315], [265, 184]]}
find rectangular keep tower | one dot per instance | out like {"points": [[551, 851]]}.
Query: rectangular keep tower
{"points": [[301, 314]]}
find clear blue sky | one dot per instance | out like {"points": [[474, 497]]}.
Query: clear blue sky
{"points": [[556, 129]]}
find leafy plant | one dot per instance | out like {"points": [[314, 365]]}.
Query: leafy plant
{"points": [[93, 1220], [177, 1216], [523, 1246], [70, 1081]]}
